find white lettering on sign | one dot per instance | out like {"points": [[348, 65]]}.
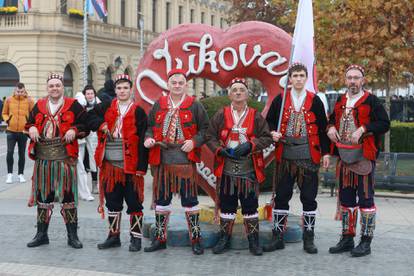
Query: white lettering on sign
{"points": [[268, 61]]}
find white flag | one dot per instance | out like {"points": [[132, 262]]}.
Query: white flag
{"points": [[303, 44]]}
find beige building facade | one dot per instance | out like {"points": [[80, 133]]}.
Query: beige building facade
{"points": [[49, 39]]}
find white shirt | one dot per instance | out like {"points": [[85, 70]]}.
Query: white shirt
{"points": [[297, 98], [53, 107], [352, 99]]}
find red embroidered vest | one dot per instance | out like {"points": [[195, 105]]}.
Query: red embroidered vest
{"points": [[66, 120], [188, 127], [311, 127], [361, 113], [248, 123], [130, 138]]}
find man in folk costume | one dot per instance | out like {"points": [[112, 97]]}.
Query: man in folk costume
{"points": [[300, 143], [355, 127], [237, 135], [177, 124], [54, 125], [122, 160]]}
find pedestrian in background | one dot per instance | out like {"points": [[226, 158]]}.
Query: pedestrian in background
{"points": [[15, 113]]}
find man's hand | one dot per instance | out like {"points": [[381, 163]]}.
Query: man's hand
{"points": [[34, 134], [242, 150], [326, 161], [149, 143], [225, 153], [105, 129], [357, 135], [187, 146], [333, 134], [276, 135], [70, 135]]}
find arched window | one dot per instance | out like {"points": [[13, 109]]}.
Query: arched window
{"points": [[68, 81], [9, 76]]}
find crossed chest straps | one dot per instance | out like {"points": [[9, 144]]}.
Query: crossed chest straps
{"points": [[238, 135]]}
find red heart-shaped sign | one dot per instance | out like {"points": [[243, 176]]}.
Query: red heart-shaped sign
{"points": [[249, 49]]}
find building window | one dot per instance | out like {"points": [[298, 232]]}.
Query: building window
{"points": [[154, 15], [202, 17], [108, 74], [194, 85], [139, 13], [63, 6], [205, 86], [123, 13], [212, 20], [10, 3], [167, 15], [221, 23], [191, 16], [68, 81], [180, 14]]}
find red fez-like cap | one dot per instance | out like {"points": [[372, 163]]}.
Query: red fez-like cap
{"points": [[176, 71], [356, 67], [124, 77], [239, 80], [56, 76]]}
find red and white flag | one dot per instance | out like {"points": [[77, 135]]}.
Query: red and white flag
{"points": [[27, 5], [303, 43]]}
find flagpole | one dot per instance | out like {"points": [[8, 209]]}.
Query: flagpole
{"points": [[285, 89], [85, 44]]}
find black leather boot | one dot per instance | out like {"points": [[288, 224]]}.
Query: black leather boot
{"points": [[367, 232], [113, 240], [308, 242], [309, 232], [44, 212], [252, 230], [279, 227], [346, 243], [363, 248], [160, 241], [136, 231], [226, 228], [70, 216], [194, 232]]}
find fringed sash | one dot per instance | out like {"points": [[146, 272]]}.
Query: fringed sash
{"points": [[169, 178], [55, 176]]}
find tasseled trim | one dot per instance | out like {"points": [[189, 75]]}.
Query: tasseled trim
{"points": [[244, 185], [284, 167], [348, 178], [169, 178], [109, 176], [55, 176]]}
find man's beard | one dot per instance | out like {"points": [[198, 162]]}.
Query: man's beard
{"points": [[353, 89]]}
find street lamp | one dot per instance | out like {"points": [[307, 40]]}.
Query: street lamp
{"points": [[409, 77]]}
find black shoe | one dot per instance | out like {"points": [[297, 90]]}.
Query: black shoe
{"points": [[223, 244], [110, 242], [277, 242], [41, 236], [197, 248], [135, 244], [308, 242], [363, 248], [346, 243], [73, 239], [254, 246], [155, 245]]}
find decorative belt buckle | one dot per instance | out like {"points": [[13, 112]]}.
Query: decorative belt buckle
{"points": [[236, 168]]}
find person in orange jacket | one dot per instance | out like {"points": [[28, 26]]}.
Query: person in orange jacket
{"points": [[16, 110]]}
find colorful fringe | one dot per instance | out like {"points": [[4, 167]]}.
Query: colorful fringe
{"points": [[169, 179], [287, 167], [110, 175], [244, 185], [49, 176], [348, 178]]}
